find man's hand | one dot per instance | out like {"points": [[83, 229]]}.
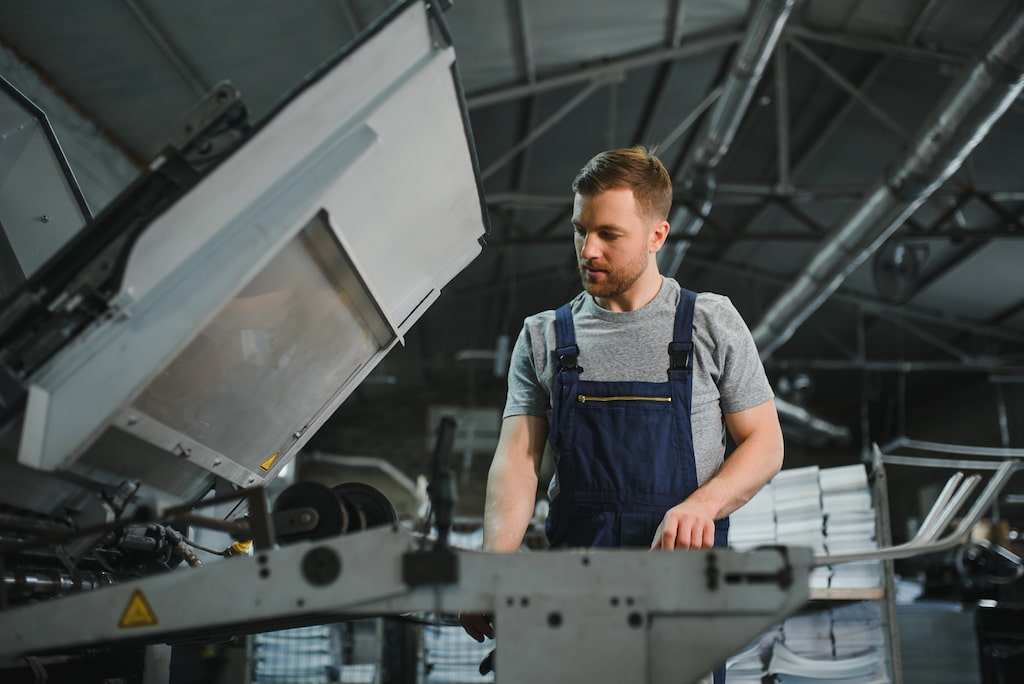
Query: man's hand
{"points": [[477, 625], [686, 526]]}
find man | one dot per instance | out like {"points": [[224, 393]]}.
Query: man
{"points": [[639, 460]]}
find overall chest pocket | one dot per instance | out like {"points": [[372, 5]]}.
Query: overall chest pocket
{"points": [[625, 443]]}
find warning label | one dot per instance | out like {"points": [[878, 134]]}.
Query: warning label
{"points": [[138, 613], [265, 466]]}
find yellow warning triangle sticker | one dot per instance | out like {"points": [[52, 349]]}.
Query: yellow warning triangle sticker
{"points": [[138, 613], [265, 466]]}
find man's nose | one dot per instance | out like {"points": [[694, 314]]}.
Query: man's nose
{"points": [[589, 247]]}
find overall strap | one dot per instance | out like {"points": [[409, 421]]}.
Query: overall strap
{"points": [[566, 375], [680, 349], [565, 338]]}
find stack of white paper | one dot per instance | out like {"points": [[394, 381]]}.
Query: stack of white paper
{"points": [[748, 666], [790, 668], [849, 525], [363, 673], [745, 667], [840, 478], [753, 525], [809, 633], [828, 509], [798, 515], [857, 628]]}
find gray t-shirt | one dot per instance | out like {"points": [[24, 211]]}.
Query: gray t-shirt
{"points": [[633, 346]]}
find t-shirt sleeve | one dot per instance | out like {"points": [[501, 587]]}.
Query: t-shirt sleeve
{"points": [[743, 383], [527, 395]]}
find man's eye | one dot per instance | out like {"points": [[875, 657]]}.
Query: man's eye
{"points": [[608, 237]]}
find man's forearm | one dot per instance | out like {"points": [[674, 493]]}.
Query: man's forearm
{"points": [[511, 497], [512, 482], [756, 459], [742, 475]]}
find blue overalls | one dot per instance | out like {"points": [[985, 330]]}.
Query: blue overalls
{"points": [[625, 449]]}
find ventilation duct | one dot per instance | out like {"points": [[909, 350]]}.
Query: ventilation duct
{"points": [[720, 126], [969, 109]]}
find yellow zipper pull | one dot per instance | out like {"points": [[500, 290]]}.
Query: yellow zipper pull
{"points": [[581, 398]]}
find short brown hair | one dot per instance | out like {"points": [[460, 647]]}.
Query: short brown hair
{"points": [[635, 168]]}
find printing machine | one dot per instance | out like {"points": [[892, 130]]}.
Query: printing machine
{"points": [[179, 349]]}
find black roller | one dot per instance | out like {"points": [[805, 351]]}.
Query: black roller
{"points": [[373, 505], [356, 516], [333, 516]]}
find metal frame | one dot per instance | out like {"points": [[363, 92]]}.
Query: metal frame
{"points": [[946, 507], [625, 615]]}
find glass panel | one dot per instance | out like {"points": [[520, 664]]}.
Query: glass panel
{"points": [[274, 355]]}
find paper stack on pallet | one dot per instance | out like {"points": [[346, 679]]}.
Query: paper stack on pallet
{"points": [[849, 525], [857, 628], [842, 645], [798, 514], [830, 510], [749, 665], [753, 525]]}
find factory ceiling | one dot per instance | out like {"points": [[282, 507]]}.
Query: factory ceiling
{"points": [[849, 172]]}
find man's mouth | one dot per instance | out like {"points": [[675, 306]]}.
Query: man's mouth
{"points": [[592, 273]]}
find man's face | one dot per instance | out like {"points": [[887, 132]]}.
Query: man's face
{"points": [[612, 242]]}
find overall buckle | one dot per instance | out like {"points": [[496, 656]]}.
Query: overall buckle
{"points": [[567, 358], [679, 355]]}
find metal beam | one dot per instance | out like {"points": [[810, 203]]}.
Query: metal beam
{"points": [[1007, 313], [800, 216], [724, 235], [749, 193], [936, 342], [784, 181], [608, 71], [673, 39], [524, 42], [351, 17], [874, 305], [690, 118], [543, 128], [878, 46], [528, 108], [898, 365], [856, 93], [163, 43]]}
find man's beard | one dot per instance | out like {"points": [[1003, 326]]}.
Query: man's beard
{"points": [[614, 282]]}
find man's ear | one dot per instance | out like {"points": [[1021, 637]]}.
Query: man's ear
{"points": [[659, 233]]}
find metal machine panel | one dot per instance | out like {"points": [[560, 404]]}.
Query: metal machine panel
{"points": [[252, 306]]}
